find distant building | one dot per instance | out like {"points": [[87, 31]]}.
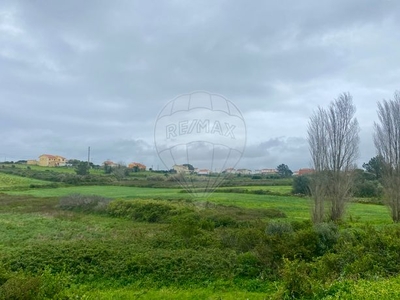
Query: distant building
{"points": [[47, 160], [110, 163], [203, 172], [32, 162], [269, 171], [243, 171], [181, 169], [305, 171], [139, 166]]}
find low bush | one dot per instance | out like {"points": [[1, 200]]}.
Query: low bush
{"points": [[353, 254], [21, 288], [84, 203], [156, 178], [119, 260], [241, 239], [43, 285], [142, 211], [278, 228]]}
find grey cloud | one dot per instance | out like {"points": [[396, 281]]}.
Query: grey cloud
{"points": [[75, 73]]}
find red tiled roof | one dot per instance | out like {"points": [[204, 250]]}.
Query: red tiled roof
{"points": [[136, 164]]}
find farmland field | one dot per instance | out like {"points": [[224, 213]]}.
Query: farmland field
{"points": [[161, 243], [296, 208]]}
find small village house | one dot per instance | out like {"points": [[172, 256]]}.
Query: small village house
{"points": [[269, 171], [181, 169], [305, 171], [32, 162], [48, 160], [139, 166], [110, 163], [243, 171], [203, 172]]}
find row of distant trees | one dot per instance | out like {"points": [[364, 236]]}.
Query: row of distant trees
{"points": [[333, 137]]}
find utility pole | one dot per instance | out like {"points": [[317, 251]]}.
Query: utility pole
{"points": [[88, 156]]}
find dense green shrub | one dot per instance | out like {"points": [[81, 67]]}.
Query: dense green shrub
{"points": [[141, 211], [241, 239], [120, 261], [365, 252], [248, 265], [222, 220], [46, 285], [300, 185], [368, 189], [21, 288], [328, 234], [278, 228], [187, 225]]}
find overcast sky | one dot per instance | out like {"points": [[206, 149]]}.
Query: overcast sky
{"points": [[75, 74]]}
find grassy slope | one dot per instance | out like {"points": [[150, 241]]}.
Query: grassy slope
{"points": [[68, 170], [10, 181]]}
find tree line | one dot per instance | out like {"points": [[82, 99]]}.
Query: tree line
{"points": [[333, 138]]}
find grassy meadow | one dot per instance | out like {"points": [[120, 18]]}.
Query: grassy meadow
{"points": [[131, 242], [8, 182], [296, 208]]}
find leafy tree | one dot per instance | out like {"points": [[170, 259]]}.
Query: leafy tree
{"points": [[301, 185], [82, 168], [73, 162], [189, 166], [107, 169], [366, 185], [374, 166], [284, 171]]}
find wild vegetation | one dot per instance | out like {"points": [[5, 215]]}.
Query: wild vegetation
{"points": [[243, 242]]}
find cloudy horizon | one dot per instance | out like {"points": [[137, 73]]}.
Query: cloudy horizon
{"points": [[75, 74]]}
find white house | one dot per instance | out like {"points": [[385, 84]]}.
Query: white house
{"points": [[243, 171], [203, 172], [269, 171], [181, 169]]}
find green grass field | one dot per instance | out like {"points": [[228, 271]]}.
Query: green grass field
{"points": [[28, 223], [207, 248], [68, 170], [15, 182], [296, 208], [279, 189]]}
